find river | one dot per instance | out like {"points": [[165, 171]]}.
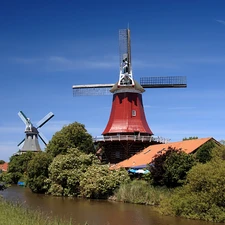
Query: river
{"points": [[93, 211]]}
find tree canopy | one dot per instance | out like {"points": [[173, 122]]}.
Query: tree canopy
{"points": [[18, 165], [2, 161], [38, 172], [170, 169], [189, 138], [204, 153], [71, 136]]}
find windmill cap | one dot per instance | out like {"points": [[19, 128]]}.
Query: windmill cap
{"points": [[136, 86]]}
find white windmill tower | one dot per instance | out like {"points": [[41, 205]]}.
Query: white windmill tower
{"points": [[30, 142]]}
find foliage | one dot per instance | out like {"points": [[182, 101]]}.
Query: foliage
{"points": [[203, 197], [203, 154], [222, 142], [170, 168], [2, 161], [72, 136], [38, 172], [140, 192], [100, 182], [18, 165], [189, 138], [66, 170]]}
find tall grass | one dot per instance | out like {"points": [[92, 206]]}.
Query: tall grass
{"points": [[141, 192], [15, 214]]}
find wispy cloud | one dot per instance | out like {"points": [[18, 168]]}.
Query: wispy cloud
{"points": [[7, 149], [221, 21], [59, 63], [49, 127], [27, 61], [211, 60], [146, 64], [182, 108]]}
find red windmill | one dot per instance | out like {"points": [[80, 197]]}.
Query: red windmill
{"points": [[127, 131]]}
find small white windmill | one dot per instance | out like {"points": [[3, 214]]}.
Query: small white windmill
{"points": [[31, 138]]}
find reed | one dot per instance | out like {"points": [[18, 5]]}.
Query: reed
{"points": [[140, 192]]}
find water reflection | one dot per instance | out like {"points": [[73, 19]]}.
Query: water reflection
{"points": [[93, 211]]}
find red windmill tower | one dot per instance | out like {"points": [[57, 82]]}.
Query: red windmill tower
{"points": [[127, 131]]}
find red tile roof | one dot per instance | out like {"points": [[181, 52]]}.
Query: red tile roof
{"points": [[4, 167], [146, 156]]}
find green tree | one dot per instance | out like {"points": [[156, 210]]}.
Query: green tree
{"points": [[100, 182], [2, 161], [203, 154], [222, 142], [170, 169], [189, 138], [72, 136], [18, 166], [66, 170], [38, 172], [203, 197]]}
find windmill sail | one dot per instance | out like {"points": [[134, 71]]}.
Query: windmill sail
{"points": [[30, 142], [164, 82], [45, 119]]}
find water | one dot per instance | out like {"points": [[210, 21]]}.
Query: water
{"points": [[93, 211]]}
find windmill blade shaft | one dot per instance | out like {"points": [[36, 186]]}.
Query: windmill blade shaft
{"points": [[43, 138], [23, 117], [21, 142], [163, 82]]}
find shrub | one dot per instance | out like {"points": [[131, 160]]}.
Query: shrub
{"points": [[100, 182], [66, 170], [203, 197]]}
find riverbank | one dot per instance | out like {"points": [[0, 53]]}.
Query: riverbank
{"points": [[15, 214]]}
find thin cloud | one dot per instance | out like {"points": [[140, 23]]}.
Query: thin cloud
{"points": [[203, 60], [27, 61], [49, 127], [145, 64], [221, 21], [59, 63]]}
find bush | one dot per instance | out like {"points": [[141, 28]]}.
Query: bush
{"points": [[203, 197], [100, 182], [66, 171]]}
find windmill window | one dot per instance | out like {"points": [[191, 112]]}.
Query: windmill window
{"points": [[133, 112], [117, 154]]}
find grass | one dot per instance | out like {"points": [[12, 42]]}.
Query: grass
{"points": [[15, 214]]}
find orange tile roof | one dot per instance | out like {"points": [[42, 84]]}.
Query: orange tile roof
{"points": [[146, 156], [4, 167]]}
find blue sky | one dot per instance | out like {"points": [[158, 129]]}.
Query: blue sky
{"points": [[48, 46]]}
